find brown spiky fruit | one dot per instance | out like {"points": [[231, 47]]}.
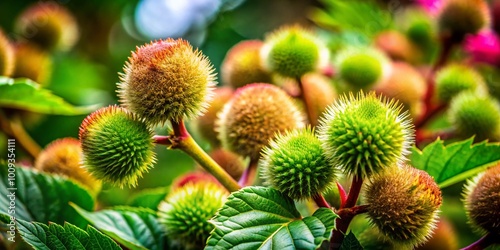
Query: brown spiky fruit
{"points": [[63, 157], [205, 124], [482, 202], [318, 92], [242, 65], [167, 80], [457, 18], [404, 203], [32, 62], [6, 55], [49, 25], [253, 116], [407, 85]]}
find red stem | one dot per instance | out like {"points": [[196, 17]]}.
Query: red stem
{"points": [[180, 130], [162, 140], [320, 201], [342, 193], [486, 241], [352, 198]]}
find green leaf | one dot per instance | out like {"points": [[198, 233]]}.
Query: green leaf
{"points": [[149, 198], [55, 236], [134, 228], [264, 218], [351, 243], [42, 197], [457, 161], [28, 95]]}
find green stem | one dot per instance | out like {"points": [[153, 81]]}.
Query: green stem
{"points": [[183, 141]]}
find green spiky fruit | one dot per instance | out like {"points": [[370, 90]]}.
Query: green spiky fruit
{"points": [[295, 164], [455, 78], [242, 65], [32, 62], [49, 25], [6, 56], [166, 80], [63, 157], [361, 68], [482, 202], [205, 124], [117, 146], [186, 211], [403, 202], [293, 51], [253, 116], [473, 114], [458, 18], [365, 134], [407, 85]]}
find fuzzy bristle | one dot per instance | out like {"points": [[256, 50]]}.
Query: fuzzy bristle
{"points": [[455, 78]]}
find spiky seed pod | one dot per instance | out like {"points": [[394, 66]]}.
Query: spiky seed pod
{"points": [[166, 80], [295, 164], [482, 203], [364, 134], [443, 238], [63, 157], [318, 92], [205, 124], [403, 202], [253, 116], [293, 51], [117, 146], [419, 27], [397, 46], [229, 161], [361, 68], [6, 55], [407, 85], [49, 25], [32, 62], [186, 211], [458, 18], [455, 78], [473, 114], [242, 65]]}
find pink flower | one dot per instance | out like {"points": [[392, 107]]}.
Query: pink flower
{"points": [[430, 6], [483, 47]]}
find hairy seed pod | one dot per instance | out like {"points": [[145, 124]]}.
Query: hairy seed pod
{"points": [[456, 78], [473, 114], [457, 18], [7, 58], [293, 51], [186, 211], [404, 204], [63, 157], [482, 202], [117, 146], [295, 164], [364, 134], [242, 65], [361, 68], [32, 62], [253, 116], [166, 80], [49, 25]]}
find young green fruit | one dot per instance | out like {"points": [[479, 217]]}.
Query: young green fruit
{"points": [[186, 212], [473, 114], [361, 68], [295, 164], [166, 80], [6, 55], [293, 51], [242, 65], [32, 62], [63, 157], [49, 25], [457, 18], [117, 146], [364, 134], [253, 116], [455, 78], [482, 203], [404, 204]]}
